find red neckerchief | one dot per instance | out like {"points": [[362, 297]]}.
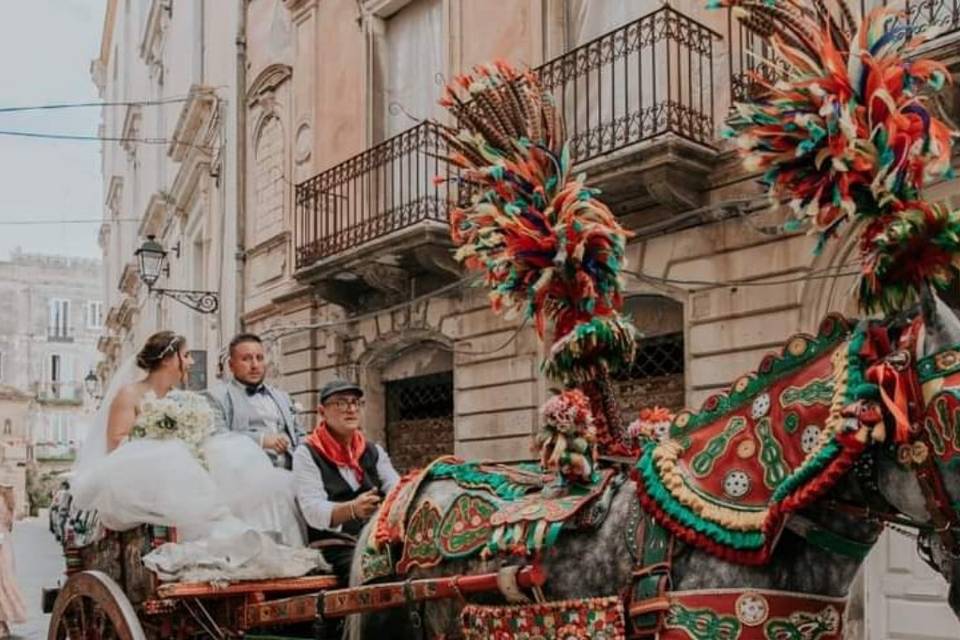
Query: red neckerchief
{"points": [[324, 443]]}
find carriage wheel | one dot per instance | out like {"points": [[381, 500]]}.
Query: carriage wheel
{"points": [[91, 606]]}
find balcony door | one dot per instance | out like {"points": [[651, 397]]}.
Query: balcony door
{"points": [[409, 65], [904, 597]]}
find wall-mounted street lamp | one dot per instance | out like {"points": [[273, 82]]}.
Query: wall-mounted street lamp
{"points": [[152, 260], [91, 383]]}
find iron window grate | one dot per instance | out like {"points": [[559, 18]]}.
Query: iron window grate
{"points": [[422, 397], [656, 356]]}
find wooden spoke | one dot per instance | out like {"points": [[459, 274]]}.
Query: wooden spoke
{"points": [[91, 606]]}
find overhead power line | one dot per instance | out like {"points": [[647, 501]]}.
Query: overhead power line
{"points": [[84, 138], [85, 105]]}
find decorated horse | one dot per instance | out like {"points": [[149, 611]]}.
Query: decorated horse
{"points": [[749, 517]]}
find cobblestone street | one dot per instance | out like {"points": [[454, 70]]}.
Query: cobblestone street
{"points": [[39, 564]]}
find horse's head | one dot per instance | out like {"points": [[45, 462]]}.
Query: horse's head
{"points": [[924, 480]]}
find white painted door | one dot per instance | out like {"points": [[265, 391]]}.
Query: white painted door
{"points": [[905, 599]]}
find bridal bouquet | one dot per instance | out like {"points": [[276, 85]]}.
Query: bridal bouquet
{"points": [[180, 415]]}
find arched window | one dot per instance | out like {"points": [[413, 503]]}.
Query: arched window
{"points": [[657, 374], [7, 427], [269, 183]]}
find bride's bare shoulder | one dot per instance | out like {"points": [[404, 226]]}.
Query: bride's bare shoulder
{"points": [[130, 394]]}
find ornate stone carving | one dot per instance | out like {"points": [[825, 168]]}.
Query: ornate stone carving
{"points": [[388, 279]]}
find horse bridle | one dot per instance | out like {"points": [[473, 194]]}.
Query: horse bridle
{"points": [[898, 370]]}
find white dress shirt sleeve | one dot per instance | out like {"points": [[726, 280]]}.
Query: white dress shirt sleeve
{"points": [[388, 475], [312, 497]]}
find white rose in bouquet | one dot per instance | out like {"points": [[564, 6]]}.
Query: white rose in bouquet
{"points": [[180, 415]]}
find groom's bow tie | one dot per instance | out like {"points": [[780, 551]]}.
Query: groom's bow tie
{"points": [[254, 389]]}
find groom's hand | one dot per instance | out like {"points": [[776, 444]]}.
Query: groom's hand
{"points": [[366, 504], [276, 442]]}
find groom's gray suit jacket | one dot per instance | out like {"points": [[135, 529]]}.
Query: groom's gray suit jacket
{"points": [[233, 411]]}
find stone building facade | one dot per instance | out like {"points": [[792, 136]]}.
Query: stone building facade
{"points": [[361, 229], [170, 172], [51, 315], [15, 443], [330, 235]]}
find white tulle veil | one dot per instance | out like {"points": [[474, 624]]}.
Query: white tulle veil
{"points": [[94, 447]]}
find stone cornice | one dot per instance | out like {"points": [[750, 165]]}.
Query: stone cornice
{"points": [[151, 44], [155, 215], [103, 236], [98, 67], [129, 279], [127, 310], [131, 127], [112, 320], [297, 5], [267, 82], [194, 117], [114, 191], [272, 242], [383, 8], [184, 189]]}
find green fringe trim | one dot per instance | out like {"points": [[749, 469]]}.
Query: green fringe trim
{"points": [[601, 345], [857, 388], [469, 475], [808, 471], [683, 515]]}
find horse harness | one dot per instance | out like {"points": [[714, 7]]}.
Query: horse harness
{"points": [[903, 395], [654, 610]]}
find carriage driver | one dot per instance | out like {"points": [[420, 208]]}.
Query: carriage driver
{"points": [[340, 478]]}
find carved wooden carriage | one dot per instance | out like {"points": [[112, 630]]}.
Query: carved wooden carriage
{"points": [[109, 593]]}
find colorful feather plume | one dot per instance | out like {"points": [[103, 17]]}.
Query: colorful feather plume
{"points": [[546, 246], [846, 134], [903, 252]]}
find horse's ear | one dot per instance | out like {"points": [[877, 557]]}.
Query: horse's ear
{"points": [[940, 323]]}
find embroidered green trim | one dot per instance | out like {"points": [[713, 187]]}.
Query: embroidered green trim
{"points": [[832, 330], [470, 476], [939, 365]]}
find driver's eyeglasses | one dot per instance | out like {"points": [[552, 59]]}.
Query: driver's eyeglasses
{"points": [[343, 404]]}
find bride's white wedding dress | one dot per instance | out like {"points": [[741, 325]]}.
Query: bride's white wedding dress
{"points": [[230, 510]]}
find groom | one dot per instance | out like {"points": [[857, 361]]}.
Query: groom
{"points": [[246, 405]]}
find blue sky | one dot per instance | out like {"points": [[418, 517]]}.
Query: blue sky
{"points": [[45, 51]]}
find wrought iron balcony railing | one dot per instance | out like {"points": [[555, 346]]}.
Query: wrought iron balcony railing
{"points": [[59, 392], [750, 56], [382, 190], [650, 77]]}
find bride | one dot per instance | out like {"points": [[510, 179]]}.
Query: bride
{"points": [[149, 459]]}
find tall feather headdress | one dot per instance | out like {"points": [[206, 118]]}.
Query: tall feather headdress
{"points": [[546, 246], [846, 134]]}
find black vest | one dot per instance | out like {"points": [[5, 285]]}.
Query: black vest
{"points": [[339, 491]]}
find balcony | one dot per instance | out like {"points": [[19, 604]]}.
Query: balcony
{"points": [[54, 452], [59, 393], [60, 334], [639, 105], [751, 57], [384, 201]]}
